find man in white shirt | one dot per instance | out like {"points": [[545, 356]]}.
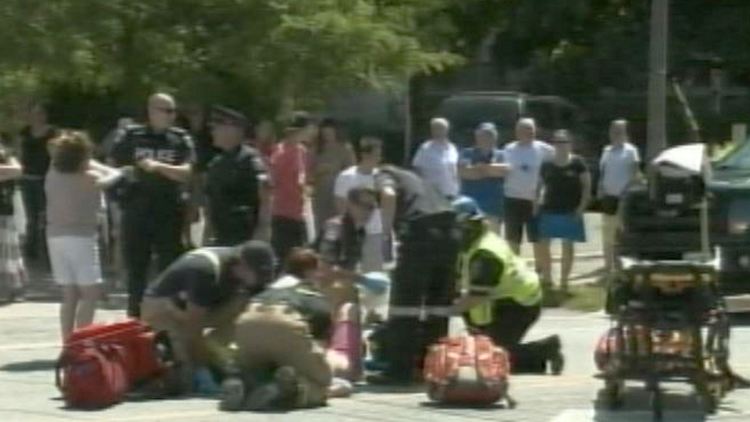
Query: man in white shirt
{"points": [[362, 175], [436, 159], [618, 167], [525, 158]]}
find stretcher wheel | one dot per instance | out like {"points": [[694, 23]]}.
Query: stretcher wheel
{"points": [[614, 391], [657, 404]]}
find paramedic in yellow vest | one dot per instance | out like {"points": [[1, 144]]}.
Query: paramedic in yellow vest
{"points": [[501, 298]]}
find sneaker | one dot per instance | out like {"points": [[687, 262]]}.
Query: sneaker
{"points": [[288, 383], [232, 396], [263, 397]]}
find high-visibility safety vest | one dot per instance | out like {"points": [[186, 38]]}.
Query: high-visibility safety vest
{"points": [[517, 281]]}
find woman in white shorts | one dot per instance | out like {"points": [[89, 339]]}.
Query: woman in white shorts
{"points": [[73, 187]]}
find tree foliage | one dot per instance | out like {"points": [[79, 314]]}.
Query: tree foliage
{"points": [[263, 54]]}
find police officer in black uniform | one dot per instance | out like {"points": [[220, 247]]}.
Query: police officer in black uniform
{"points": [[159, 159], [237, 183], [424, 282]]}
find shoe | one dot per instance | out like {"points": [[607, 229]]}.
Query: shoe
{"points": [[281, 392], [263, 397], [287, 381], [556, 359], [232, 396]]}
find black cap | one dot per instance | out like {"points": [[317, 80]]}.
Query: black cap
{"points": [[227, 116], [259, 256]]}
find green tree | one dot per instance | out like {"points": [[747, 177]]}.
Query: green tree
{"points": [[265, 55]]}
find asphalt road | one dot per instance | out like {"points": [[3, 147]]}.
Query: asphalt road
{"points": [[30, 345]]}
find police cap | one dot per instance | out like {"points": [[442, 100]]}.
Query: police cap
{"points": [[221, 115]]}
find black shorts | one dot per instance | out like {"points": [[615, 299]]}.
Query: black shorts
{"points": [[519, 213]]}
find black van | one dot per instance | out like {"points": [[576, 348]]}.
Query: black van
{"points": [[468, 109]]}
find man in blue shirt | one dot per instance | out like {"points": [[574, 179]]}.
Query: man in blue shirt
{"points": [[482, 169]]}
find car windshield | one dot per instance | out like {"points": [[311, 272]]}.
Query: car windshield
{"points": [[737, 159]]}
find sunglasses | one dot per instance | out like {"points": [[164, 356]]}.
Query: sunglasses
{"points": [[167, 110]]}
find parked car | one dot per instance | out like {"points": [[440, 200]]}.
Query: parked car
{"points": [[730, 218], [468, 109]]}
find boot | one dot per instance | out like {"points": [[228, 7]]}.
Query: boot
{"points": [[555, 358], [281, 392]]}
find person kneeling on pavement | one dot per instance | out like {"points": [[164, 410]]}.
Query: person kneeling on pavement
{"points": [[501, 297], [281, 339], [205, 288]]}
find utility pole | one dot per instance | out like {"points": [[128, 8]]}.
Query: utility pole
{"points": [[657, 82]]}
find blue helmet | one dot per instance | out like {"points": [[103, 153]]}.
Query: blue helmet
{"points": [[467, 209]]}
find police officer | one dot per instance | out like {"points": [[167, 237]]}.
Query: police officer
{"points": [[237, 183], [159, 158], [423, 285], [501, 297]]}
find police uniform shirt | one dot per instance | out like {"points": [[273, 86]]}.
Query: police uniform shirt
{"points": [[311, 305], [233, 180], [172, 146], [415, 198], [192, 278]]}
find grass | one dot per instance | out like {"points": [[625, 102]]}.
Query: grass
{"points": [[585, 298]]}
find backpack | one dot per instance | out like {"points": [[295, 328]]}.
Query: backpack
{"points": [[92, 376], [467, 370], [146, 352]]}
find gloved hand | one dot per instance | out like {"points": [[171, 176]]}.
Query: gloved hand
{"points": [[375, 282]]}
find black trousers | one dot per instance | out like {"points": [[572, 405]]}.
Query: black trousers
{"points": [[146, 234], [423, 289], [35, 205], [509, 326], [287, 234], [232, 229]]}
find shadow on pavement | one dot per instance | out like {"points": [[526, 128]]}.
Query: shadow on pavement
{"points": [[491, 408], [390, 389], [682, 405], [30, 366]]}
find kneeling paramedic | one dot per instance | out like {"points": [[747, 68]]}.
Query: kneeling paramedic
{"points": [[206, 289], [281, 339], [501, 296]]}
